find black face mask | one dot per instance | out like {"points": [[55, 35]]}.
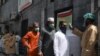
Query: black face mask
{"points": [[63, 29]]}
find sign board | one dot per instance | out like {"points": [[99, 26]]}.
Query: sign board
{"points": [[22, 4]]}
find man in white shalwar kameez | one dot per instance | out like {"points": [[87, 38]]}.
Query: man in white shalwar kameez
{"points": [[61, 44]]}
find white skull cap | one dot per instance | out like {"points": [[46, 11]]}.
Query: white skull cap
{"points": [[51, 19]]}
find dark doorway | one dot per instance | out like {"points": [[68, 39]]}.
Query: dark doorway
{"points": [[7, 28], [60, 13], [24, 25]]}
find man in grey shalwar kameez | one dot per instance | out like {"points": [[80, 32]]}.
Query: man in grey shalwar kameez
{"points": [[46, 40]]}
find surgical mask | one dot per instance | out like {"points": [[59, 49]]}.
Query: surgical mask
{"points": [[37, 29], [63, 29], [51, 26]]}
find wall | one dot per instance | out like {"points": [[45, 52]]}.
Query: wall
{"points": [[9, 7]]}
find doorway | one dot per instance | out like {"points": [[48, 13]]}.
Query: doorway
{"points": [[24, 25]]}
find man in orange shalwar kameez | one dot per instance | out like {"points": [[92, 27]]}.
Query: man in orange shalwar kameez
{"points": [[30, 40]]}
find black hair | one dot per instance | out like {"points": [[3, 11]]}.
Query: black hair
{"points": [[61, 23], [90, 20]]}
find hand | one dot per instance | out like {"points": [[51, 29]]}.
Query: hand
{"points": [[70, 26], [29, 47], [40, 53]]}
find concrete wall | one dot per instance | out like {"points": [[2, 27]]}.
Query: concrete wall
{"points": [[99, 28], [33, 13], [9, 7], [79, 9]]}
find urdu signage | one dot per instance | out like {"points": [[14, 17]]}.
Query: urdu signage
{"points": [[22, 4]]}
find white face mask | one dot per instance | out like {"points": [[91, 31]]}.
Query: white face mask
{"points": [[52, 25], [37, 29]]}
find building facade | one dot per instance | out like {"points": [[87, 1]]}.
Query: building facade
{"points": [[41, 9]]}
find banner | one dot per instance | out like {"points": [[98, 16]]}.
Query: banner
{"points": [[23, 4]]}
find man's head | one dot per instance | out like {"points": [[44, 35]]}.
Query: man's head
{"points": [[11, 33], [35, 27], [51, 22], [89, 18], [62, 26]]}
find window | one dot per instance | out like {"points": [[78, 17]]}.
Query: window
{"points": [[3, 2], [51, 0]]}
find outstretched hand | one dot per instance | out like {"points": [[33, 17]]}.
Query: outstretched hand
{"points": [[70, 26]]}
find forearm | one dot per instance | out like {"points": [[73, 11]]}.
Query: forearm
{"points": [[77, 32], [25, 42], [40, 45]]}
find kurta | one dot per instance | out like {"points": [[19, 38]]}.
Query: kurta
{"points": [[30, 40], [61, 44], [74, 43], [47, 43], [88, 40], [9, 44]]}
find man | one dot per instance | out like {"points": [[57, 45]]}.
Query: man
{"points": [[17, 43], [9, 41], [47, 36], [30, 40], [89, 36], [74, 43], [61, 44]]}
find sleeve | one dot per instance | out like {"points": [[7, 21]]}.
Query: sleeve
{"points": [[56, 50], [42, 33], [25, 39], [5, 40], [77, 32], [40, 42], [92, 39]]}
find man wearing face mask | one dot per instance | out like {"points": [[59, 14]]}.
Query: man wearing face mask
{"points": [[47, 36], [30, 40], [89, 36], [61, 43]]}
